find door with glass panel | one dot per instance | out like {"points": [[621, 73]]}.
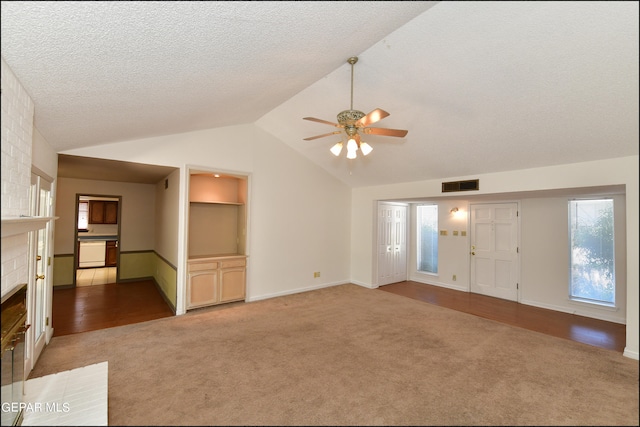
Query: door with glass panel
{"points": [[40, 281]]}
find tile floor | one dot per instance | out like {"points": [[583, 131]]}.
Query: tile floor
{"points": [[95, 276], [78, 397]]}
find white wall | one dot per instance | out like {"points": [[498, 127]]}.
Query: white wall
{"points": [[545, 259], [543, 247], [452, 250], [298, 214], [137, 212], [621, 171], [167, 218], [44, 157], [17, 131]]}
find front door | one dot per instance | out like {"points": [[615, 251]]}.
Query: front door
{"points": [[494, 250], [392, 243]]}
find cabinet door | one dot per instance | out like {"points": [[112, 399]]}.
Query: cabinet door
{"points": [[202, 288], [232, 284], [110, 212], [96, 212], [111, 257]]}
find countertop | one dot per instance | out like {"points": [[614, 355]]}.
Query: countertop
{"points": [[218, 256], [96, 237]]}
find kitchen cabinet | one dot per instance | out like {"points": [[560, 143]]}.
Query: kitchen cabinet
{"points": [[215, 280], [103, 212], [111, 255]]}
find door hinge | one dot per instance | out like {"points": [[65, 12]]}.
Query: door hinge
{"points": [[517, 250], [46, 322], [517, 285]]}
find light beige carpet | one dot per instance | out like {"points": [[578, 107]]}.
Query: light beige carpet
{"points": [[348, 355]]}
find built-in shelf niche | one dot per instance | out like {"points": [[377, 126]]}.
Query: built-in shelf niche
{"points": [[217, 214], [207, 188]]}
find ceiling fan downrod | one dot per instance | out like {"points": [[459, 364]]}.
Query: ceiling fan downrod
{"points": [[352, 61], [350, 116]]}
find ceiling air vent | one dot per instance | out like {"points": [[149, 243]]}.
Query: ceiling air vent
{"points": [[469, 185]]}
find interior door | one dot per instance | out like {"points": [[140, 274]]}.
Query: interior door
{"points": [[392, 243], [40, 283], [494, 250]]}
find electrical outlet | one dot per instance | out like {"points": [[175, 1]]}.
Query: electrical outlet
{"points": [[454, 277], [316, 274]]}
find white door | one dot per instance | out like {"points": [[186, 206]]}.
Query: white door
{"points": [[40, 286], [494, 250], [392, 243]]}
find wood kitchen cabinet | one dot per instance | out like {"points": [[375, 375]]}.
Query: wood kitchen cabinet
{"points": [[215, 280], [111, 255], [103, 212]]}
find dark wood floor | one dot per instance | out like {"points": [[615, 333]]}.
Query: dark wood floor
{"points": [[586, 330], [89, 308], [103, 306]]}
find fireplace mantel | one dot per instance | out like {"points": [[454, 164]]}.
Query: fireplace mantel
{"points": [[12, 226]]}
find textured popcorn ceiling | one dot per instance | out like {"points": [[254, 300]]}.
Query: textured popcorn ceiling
{"points": [[481, 86]]}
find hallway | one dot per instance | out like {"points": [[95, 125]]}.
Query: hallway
{"points": [[95, 276], [88, 308]]}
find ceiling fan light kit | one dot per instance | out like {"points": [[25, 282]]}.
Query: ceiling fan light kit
{"points": [[354, 122]]}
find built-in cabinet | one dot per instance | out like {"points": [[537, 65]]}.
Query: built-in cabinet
{"points": [[217, 235], [111, 256], [215, 280], [103, 212]]}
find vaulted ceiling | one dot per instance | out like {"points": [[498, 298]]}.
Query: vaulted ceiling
{"points": [[481, 86]]}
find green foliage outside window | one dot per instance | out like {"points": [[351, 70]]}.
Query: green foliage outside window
{"points": [[592, 250]]}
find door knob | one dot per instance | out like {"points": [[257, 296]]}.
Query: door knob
{"points": [[473, 253], [39, 276], [38, 257]]}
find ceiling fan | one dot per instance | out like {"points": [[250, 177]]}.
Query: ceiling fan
{"points": [[354, 123]]}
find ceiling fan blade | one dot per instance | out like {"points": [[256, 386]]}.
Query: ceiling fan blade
{"points": [[313, 119], [323, 135], [372, 117], [385, 132]]}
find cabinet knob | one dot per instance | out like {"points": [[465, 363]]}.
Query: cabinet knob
{"points": [[39, 276]]}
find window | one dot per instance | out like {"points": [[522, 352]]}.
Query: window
{"points": [[592, 277], [83, 215], [427, 238]]}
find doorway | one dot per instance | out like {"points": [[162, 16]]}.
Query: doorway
{"points": [[97, 239], [495, 262]]}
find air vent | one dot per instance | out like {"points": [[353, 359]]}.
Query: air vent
{"points": [[469, 185]]}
